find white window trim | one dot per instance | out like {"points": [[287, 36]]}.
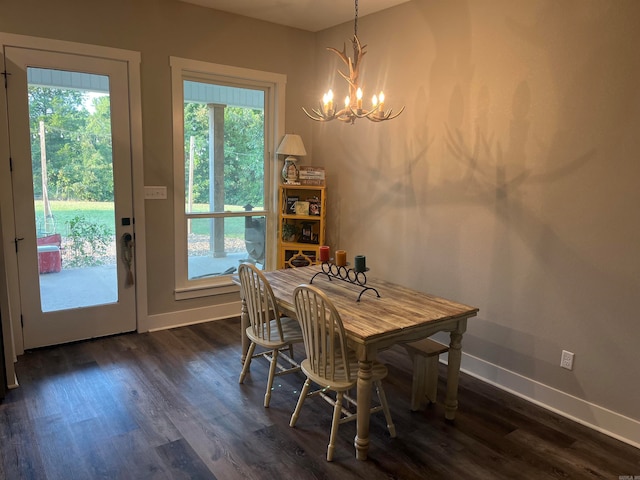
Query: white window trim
{"points": [[274, 85]]}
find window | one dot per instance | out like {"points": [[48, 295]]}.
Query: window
{"points": [[224, 172]]}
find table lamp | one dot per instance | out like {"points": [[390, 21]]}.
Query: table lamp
{"points": [[293, 147]]}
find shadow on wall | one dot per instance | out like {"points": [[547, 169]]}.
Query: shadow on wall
{"points": [[493, 169]]}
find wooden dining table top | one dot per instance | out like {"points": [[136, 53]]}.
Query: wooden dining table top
{"points": [[399, 311]]}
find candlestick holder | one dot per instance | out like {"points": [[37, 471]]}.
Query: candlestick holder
{"points": [[349, 275]]}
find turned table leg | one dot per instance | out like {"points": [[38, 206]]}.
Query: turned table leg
{"points": [[361, 441], [453, 370]]}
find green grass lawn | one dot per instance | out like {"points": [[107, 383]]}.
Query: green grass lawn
{"points": [[102, 213], [95, 212]]}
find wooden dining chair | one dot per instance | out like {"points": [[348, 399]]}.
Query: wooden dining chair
{"points": [[268, 329], [330, 364]]}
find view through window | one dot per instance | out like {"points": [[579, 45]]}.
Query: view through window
{"points": [[224, 175]]}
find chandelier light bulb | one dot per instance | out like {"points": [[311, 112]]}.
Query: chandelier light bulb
{"points": [[327, 101]]}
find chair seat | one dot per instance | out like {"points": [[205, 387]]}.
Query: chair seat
{"points": [[291, 333]]}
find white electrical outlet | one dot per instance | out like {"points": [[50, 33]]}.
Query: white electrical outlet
{"points": [[155, 193], [566, 361]]}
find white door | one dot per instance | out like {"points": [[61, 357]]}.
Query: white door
{"points": [[71, 175]]}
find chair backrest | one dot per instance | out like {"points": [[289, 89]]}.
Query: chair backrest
{"points": [[261, 303], [325, 341]]}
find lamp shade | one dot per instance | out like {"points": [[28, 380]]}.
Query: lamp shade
{"points": [[291, 144]]}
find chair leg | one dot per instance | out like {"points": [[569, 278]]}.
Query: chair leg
{"points": [[272, 374], [385, 409], [335, 423], [301, 399], [247, 362]]}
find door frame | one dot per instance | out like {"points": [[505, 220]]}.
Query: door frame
{"points": [[132, 59]]}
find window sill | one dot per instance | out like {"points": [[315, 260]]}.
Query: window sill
{"points": [[221, 288]]}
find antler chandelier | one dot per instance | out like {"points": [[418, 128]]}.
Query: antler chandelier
{"points": [[352, 103]]}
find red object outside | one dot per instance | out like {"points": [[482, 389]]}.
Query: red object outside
{"points": [[49, 256]]}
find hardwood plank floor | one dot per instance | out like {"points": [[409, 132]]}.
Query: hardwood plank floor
{"points": [[167, 405]]}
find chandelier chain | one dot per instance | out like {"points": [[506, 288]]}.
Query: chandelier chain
{"points": [[355, 21]]}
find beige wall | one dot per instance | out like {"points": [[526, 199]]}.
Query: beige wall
{"points": [[510, 182], [159, 29]]}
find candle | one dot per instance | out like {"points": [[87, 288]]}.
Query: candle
{"points": [[360, 263], [381, 108], [324, 253], [359, 100], [341, 258]]}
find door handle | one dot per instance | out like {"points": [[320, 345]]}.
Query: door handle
{"points": [[127, 256], [16, 240]]}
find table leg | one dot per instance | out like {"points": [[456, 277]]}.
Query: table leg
{"points": [[453, 370], [244, 324], [361, 441]]}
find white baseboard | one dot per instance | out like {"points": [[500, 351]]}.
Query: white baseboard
{"points": [[610, 423], [192, 316]]}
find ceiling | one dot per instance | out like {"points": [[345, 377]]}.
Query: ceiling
{"points": [[311, 15]]}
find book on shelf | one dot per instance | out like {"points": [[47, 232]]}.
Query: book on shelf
{"points": [[291, 205], [313, 176], [314, 206], [301, 208]]}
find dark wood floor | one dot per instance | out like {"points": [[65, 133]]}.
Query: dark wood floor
{"points": [[167, 405]]}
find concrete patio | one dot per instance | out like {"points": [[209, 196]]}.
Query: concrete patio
{"points": [[87, 286]]}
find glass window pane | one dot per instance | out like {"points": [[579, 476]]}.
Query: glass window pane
{"points": [[218, 245], [224, 147]]}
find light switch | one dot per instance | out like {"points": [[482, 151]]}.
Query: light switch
{"points": [[155, 193]]}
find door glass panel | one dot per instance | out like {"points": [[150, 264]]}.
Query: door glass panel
{"points": [[70, 123]]}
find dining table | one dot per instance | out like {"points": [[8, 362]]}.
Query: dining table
{"points": [[376, 315]]}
